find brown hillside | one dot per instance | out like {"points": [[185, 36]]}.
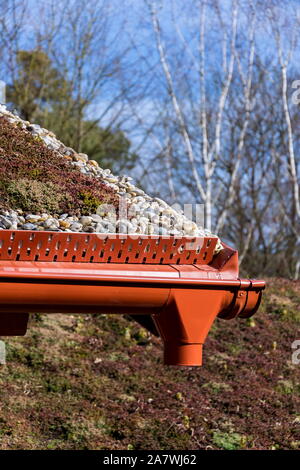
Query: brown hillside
{"points": [[97, 382]]}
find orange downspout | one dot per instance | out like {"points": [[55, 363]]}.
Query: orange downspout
{"points": [[183, 300]]}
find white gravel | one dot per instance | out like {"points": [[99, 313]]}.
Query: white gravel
{"points": [[145, 214]]}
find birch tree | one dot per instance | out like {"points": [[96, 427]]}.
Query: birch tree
{"points": [[200, 124], [289, 158]]}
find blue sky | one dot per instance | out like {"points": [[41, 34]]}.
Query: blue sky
{"points": [[131, 20]]}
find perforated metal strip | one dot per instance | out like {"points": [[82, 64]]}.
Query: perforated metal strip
{"points": [[23, 245]]}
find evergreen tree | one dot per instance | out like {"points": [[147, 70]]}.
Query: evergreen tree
{"points": [[41, 95]]}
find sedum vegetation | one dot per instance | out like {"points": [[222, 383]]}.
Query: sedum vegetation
{"points": [[35, 179]]}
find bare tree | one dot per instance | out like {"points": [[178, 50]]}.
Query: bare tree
{"points": [[83, 42], [12, 24], [219, 120], [286, 53], [201, 132]]}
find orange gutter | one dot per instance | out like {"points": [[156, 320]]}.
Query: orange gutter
{"points": [[182, 299]]}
